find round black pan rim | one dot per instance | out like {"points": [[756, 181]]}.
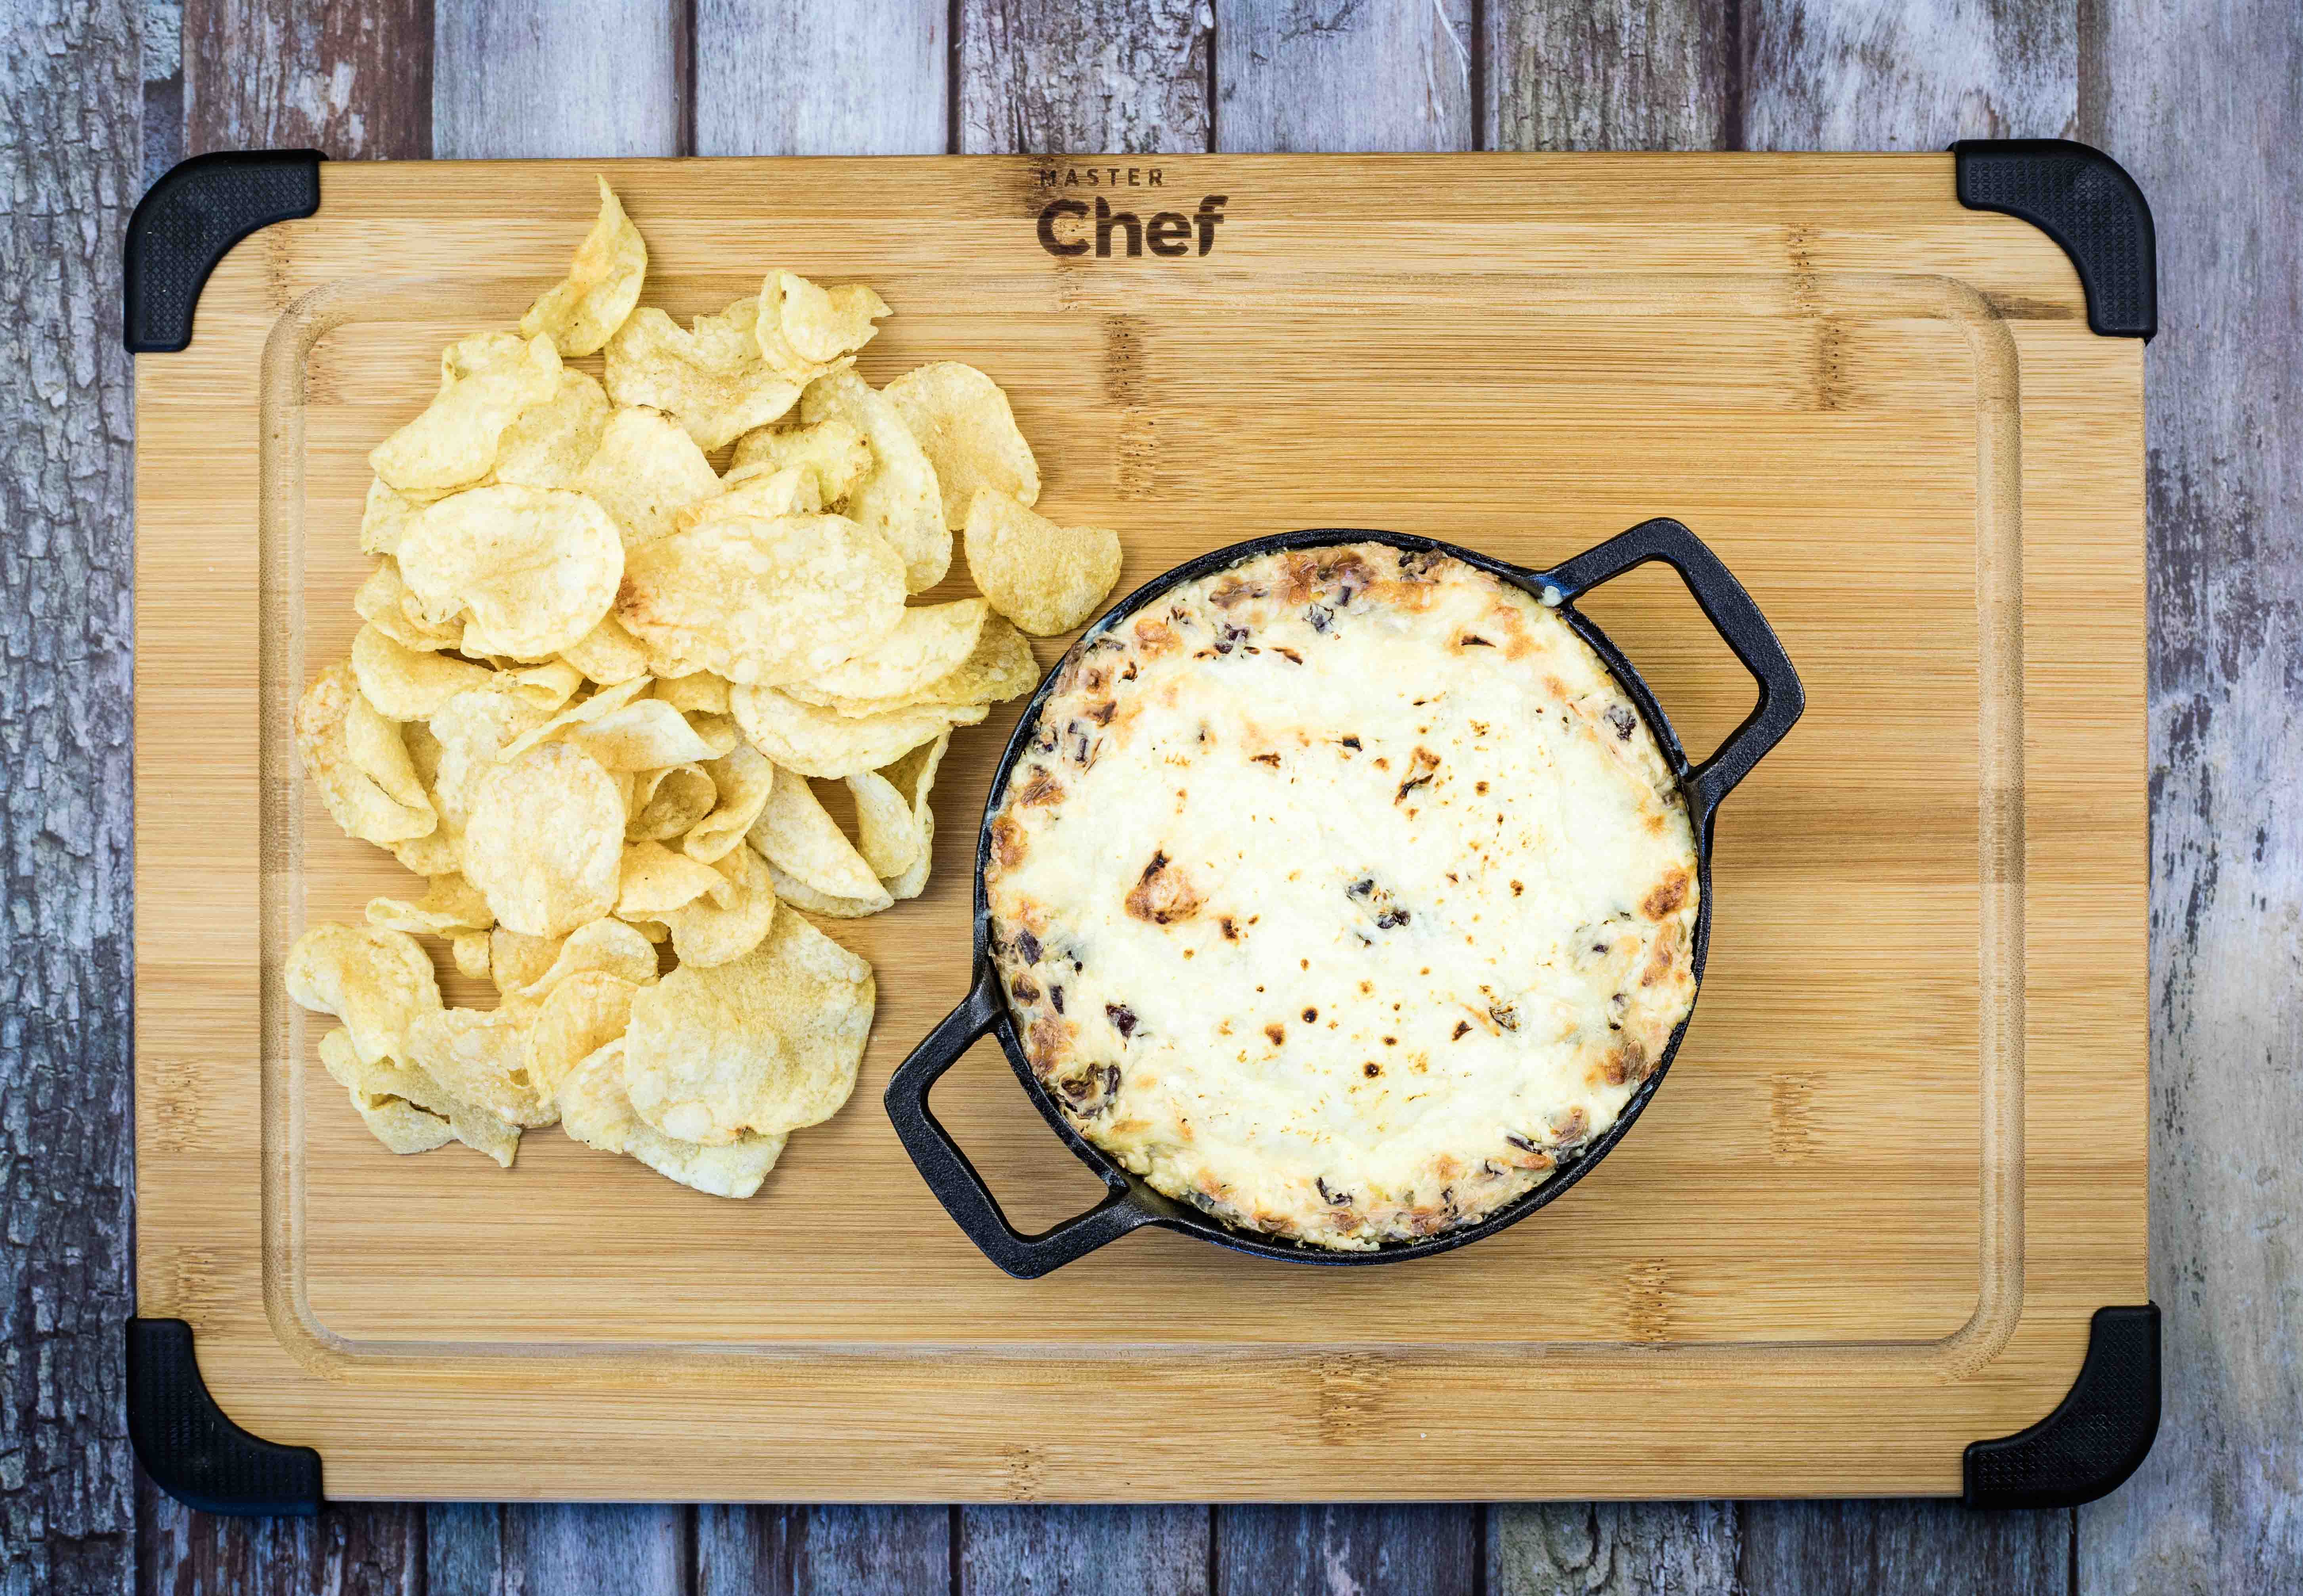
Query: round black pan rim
{"points": [[1132, 1202]]}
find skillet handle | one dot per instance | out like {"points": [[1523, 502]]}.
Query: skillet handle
{"points": [[954, 1181], [1738, 623]]}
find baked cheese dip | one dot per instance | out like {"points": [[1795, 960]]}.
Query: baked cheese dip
{"points": [[1343, 894]]}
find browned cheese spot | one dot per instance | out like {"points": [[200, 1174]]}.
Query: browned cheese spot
{"points": [[1668, 895], [1042, 789], [1426, 765], [1009, 842], [1462, 1028], [1155, 636], [1371, 1070], [1164, 894], [1276, 1032]]}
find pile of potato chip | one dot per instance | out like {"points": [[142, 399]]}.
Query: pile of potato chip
{"points": [[599, 670]]}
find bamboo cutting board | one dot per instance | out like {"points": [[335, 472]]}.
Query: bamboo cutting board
{"points": [[1898, 1165]]}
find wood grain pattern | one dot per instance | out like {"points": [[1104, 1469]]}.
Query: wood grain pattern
{"points": [[1636, 74], [2199, 101], [1397, 1549], [355, 81], [535, 79], [803, 77], [71, 90], [1084, 1551], [1049, 77], [822, 1551], [1343, 75]]}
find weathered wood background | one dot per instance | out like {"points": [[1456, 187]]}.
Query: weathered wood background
{"points": [[2201, 99]]}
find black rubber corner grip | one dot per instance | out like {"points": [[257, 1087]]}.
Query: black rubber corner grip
{"points": [[2084, 200], [196, 213], [2097, 1436], [192, 1449]]}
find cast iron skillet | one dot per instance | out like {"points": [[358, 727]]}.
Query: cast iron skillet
{"points": [[1132, 1202]]}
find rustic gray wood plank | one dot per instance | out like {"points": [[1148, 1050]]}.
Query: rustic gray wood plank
{"points": [[163, 87], [822, 1551], [802, 77], [1343, 75], [362, 1550], [1903, 1549], [274, 74], [71, 152], [1406, 1549], [1084, 1552], [1634, 1549], [1049, 77], [529, 79], [2200, 101], [1638, 74], [1884, 74]]}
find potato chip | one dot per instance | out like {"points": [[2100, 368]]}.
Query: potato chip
{"points": [[654, 881], [371, 1084], [583, 1014], [664, 804], [607, 946], [379, 983], [385, 515], [400, 1125], [518, 961], [819, 325], [407, 684], [756, 496], [546, 687], [826, 744], [486, 384], [718, 927], [712, 378], [583, 311], [648, 471], [699, 1060], [481, 1056], [1000, 666], [914, 776], [831, 451], [763, 600], [607, 654], [544, 841], [645, 735], [656, 931], [963, 422], [605, 701], [898, 498], [887, 832], [741, 781], [1044, 578], [451, 904], [702, 693], [471, 730], [793, 893], [929, 642], [597, 1111], [720, 733], [328, 717], [469, 950], [536, 569], [799, 836], [549, 444], [384, 603], [379, 750]]}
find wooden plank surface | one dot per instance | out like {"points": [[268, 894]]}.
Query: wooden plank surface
{"points": [[2171, 90], [70, 161], [2201, 103]]}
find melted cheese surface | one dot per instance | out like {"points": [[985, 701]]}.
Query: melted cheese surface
{"points": [[1344, 894]]}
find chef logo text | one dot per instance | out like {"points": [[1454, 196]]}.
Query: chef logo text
{"points": [[1106, 219]]}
